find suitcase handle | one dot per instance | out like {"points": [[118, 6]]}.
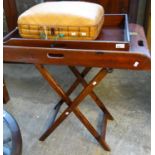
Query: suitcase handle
{"points": [[55, 55]]}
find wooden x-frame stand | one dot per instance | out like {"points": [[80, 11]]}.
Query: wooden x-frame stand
{"points": [[73, 105]]}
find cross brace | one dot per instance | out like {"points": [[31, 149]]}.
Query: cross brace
{"points": [[73, 105]]}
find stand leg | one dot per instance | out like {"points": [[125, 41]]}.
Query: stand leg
{"points": [[5, 94], [92, 94]]}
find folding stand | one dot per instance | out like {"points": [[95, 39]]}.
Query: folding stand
{"points": [[73, 105]]}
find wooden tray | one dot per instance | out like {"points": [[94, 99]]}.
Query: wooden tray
{"points": [[113, 48], [114, 36]]}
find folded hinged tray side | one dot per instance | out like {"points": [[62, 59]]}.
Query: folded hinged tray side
{"points": [[113, 36], [74, 57]]}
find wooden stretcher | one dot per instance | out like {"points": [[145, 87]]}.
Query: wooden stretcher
{"points": [[119, 46]]}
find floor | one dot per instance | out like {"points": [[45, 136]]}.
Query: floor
{"points": [[125, 93]]}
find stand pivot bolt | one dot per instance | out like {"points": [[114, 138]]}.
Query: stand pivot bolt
{"points": [[136, 64], [67, 113], [94, 83]]}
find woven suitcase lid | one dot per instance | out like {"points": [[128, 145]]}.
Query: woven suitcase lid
{"points": [[66, 13]]}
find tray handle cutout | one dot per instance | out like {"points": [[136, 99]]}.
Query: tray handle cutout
{"points": [[55, 55], [55, 45], [140, 43]]}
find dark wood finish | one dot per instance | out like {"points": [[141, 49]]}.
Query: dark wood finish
{"points": [[147, 15], [133, 10], [72, 106], [10, 13], [147, 23], [6, 97]]}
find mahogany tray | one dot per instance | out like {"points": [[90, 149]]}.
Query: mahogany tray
{"points": [[113, 36], [119, 45]]}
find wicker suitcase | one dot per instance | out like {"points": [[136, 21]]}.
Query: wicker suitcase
{"points": [[62, 20]]}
